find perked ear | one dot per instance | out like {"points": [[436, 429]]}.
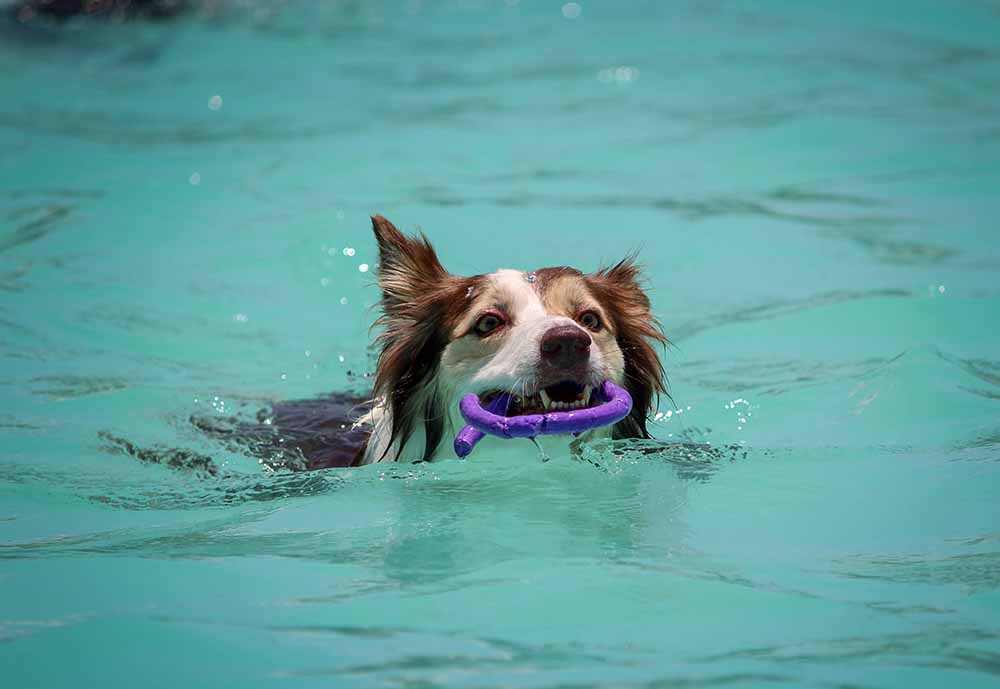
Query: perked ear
{"points": [[408, 266], [638, 334]]}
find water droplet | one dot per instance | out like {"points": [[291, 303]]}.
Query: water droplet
{"points": [[940, 289], [324, 282], [284, 376], [332, 251], [363, 268], [348, 251], [308, 353], [215, 102], [340, 358], [240, 317], [343, 300], [195, 179], [572, 10], [542, 455]]}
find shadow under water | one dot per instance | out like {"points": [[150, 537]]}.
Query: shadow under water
{"points": [[299, 435]]}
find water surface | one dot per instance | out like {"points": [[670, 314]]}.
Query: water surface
{"points": [[183, 224]]}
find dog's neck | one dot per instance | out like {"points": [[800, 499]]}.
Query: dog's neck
{"points": [[430, 413], [382, 447]]}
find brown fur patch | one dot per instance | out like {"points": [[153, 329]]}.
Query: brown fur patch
{"points": [[637, 331], [549, 276]]}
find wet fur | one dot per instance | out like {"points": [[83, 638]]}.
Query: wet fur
{"points": [[418, 307]]}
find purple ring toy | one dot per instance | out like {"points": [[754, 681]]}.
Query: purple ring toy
{"points": [[616, 405]]}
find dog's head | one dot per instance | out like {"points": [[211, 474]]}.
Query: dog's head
{"points": [[549, 337]]}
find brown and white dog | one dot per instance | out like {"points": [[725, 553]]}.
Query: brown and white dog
{"points": [[549, 337]]}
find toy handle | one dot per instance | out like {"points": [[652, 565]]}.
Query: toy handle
{"points": [[469, 436]]}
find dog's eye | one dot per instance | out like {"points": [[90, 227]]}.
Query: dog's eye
{"points": [[590, 320], [487, 324]]}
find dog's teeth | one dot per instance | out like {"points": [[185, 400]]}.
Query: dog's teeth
{"points": [[586, 394], [546, 402]]}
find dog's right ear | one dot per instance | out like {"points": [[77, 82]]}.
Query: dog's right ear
{"points": [[408, 266]]}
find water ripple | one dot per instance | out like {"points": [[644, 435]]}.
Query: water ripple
{"points": [[777, 309], [64, 387], [143, 129], [944, 646], [33, 222], [776, 377], [691, 209], [976, 571]]}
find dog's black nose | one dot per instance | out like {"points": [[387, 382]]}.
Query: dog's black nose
{"points": [[565, 346]]}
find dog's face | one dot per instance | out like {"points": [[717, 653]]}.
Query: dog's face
{"points": [[543, 336], [549, 337]]}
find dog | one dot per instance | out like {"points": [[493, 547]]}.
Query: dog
{"points": [[549, 337]]}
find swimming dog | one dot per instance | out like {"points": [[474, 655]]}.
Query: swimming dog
{"points": [[547, 337]]}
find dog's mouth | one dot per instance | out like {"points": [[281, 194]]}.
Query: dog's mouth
{"points": [[564, 396]]}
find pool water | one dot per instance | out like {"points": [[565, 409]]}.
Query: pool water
{"points": [[184, 231]]}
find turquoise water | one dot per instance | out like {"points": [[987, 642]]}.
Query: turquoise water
{"points": [[814, 192]]}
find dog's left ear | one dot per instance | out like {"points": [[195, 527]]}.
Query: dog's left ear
{"points": [[416, 292], [408, 266], [639, 335]]}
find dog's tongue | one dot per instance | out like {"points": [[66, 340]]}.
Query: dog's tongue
{"points": [[567, 391]]}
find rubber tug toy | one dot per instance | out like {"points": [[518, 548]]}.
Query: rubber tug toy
{"points": [[615, 405]]}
